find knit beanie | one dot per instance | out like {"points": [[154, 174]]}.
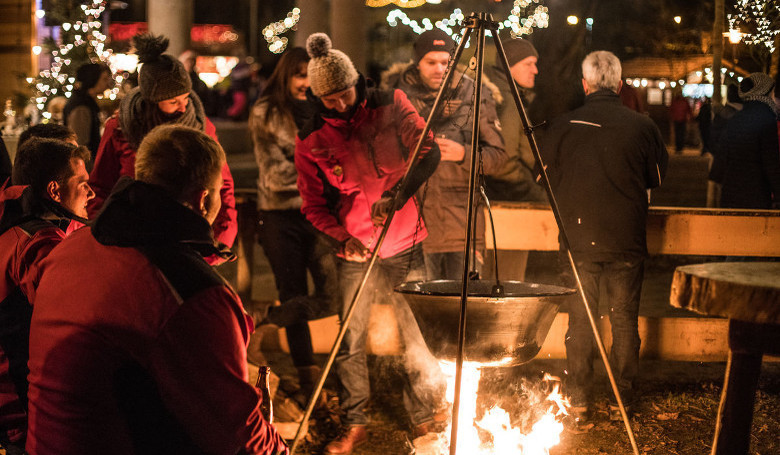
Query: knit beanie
{"points": [[432, 41], [758, 87], [330, 70], [518, 49], [89, 74], [161, 76]]}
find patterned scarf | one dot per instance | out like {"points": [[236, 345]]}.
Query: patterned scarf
{"points": [[137, 116]]}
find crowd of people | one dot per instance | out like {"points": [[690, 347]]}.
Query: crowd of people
{"points": [[118, 336]]}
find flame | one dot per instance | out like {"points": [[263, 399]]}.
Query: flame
{"points": [[494, 432]]}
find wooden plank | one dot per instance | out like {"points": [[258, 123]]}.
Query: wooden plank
{"points": [[670, 230]]}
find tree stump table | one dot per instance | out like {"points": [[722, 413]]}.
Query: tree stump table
{"points": [[748, 293]]}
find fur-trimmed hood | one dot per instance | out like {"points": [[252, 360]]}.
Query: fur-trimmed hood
{"points": [[390, 79]]}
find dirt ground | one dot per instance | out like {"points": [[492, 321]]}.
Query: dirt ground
{"points": [[674, 416]]}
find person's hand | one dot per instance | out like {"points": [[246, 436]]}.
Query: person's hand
{"points": [[355, 251], [450, 150], [380, 210]]}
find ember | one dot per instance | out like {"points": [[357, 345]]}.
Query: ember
{"points": [[496, 431]]}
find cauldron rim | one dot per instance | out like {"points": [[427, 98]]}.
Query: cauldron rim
{"points": [[482, 288]]}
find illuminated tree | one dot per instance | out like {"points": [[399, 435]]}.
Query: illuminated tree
{"points": [[81, 41]]}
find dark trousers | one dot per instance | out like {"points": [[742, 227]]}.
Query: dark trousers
{"points": [[680, 131], [423, 375], [622, 283], [293, 248]]}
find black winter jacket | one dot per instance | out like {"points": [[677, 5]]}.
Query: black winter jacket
{"points": [[601, 159]]}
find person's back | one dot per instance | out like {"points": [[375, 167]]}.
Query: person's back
{"points": [[601, 180], [150, 357], [749, 150]]}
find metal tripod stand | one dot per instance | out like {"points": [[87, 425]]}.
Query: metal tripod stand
{"points": [[479, 22]]}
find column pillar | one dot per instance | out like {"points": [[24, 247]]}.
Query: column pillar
{"points": [[314, 18], [348, 25], [172, 18]]}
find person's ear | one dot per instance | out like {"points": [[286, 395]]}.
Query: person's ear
{"points": [[53, 191], [620, 86], [202, 202], [196, 201], [584, 86]]}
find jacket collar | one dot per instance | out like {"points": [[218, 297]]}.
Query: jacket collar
{"points": [[140, 215], [603, 96], [19, 204]]}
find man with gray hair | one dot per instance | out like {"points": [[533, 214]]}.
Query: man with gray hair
{"points": [[602, 159]]}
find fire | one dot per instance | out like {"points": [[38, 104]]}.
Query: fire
{"points": [[494, 432]]}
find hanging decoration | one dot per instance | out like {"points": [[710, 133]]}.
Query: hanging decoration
{"points": [[523, 18], [277, 44], [81, 42], [757, 20], [401, 3]]}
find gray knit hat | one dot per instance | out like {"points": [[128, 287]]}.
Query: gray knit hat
{"points": [[758, 87], [330, 70], [518, 49], [161, 76]]}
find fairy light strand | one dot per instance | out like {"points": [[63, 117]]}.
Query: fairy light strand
{"points": [[277, 44], [518, 23]]}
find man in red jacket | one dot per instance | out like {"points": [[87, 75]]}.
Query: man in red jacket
{"points": [[49, 191], [136, 345], [350, 161]]}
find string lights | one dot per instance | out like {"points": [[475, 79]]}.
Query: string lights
{"points": [[86, 44], [523, 18], [271, 32], [758, 21]]}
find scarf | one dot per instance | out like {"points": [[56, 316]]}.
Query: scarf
{"points": [[137, 116]]}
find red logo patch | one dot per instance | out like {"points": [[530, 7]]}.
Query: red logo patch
{"points": [[438, 42]]}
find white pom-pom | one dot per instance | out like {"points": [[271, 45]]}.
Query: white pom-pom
{"points": [[318, 45]]}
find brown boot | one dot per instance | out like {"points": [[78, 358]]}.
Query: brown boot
{"points": [[351, 437]]}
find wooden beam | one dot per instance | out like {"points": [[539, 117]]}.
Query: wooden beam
{"points": [[670, 230]]}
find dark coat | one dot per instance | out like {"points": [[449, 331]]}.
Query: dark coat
{"points": [[80, 98], [601, 159], [749, 150], [151, 357]]}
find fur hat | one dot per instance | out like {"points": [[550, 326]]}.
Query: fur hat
{"points": [[161, 76], [330, 70], [432, 41], [518, 49]]}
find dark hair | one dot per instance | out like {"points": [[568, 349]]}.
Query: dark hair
{"points": [[89, 74], [48, 131], [277, 91], [178, 159], [39, 161]]}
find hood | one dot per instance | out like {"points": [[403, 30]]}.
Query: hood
{"points": [[392, 78], [141, 215]]}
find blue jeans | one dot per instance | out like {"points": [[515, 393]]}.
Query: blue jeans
{"points": [[424, 379], [622, 281], [448, 266]]}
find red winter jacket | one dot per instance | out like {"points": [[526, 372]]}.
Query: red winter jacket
{"points": [[362, 158], [116, 158], [25, 239], [137, 345]]}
